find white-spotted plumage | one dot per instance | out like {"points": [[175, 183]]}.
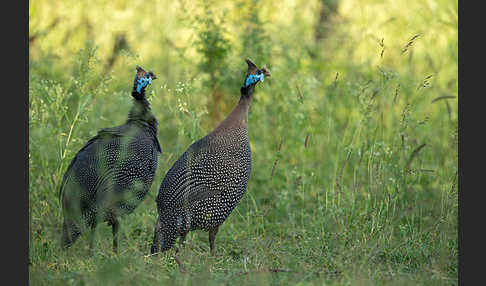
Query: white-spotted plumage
{"points": [[112, 173], [208, 180]]}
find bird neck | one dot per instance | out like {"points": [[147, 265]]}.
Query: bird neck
{"points": [[238, 117], [141, 111]]}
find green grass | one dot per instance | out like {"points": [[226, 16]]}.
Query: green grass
{"points": [[342, 190]]}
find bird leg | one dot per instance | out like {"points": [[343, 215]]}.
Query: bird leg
{"points": [[181, 266], [212, 236], [155, 243], [115, 226], [182, 238], [181, 242], [91, 239]]}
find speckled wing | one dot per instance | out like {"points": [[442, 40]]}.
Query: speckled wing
{"points": [[86, 159], [113, 161], [208, 168], [187, 181]]}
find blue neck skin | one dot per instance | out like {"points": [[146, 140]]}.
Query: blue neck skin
{"points": [[254, 78], [143, 82]]}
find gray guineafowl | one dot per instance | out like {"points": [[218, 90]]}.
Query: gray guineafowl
{"points": [[113, 172], [206, 183]]}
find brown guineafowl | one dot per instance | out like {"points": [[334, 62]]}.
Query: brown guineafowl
{"points": [[206, 183], [113, 172]]}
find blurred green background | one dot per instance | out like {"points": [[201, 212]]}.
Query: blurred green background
{"points": [[354, 136]]}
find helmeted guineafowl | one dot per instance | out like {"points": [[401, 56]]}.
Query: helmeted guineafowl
{"points": [[206, 183], [113, 172]]}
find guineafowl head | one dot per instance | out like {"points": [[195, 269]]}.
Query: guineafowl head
{"points": [[141, 107], [252, 77], [141, 81]]}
